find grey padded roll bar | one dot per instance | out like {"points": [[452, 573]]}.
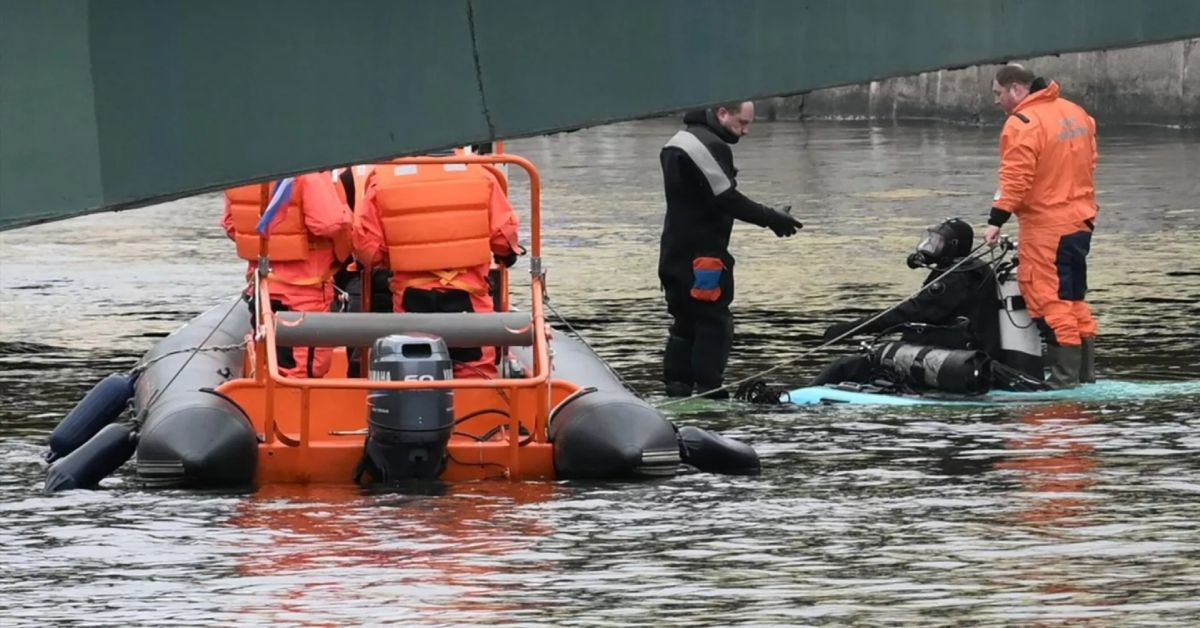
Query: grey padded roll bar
{"points": [[359, 329]]}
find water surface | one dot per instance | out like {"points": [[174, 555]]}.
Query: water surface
{"points": [[1062, 513]]}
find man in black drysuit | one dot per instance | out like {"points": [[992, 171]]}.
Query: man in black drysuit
{"points": [[957, 309], [694, 263]]}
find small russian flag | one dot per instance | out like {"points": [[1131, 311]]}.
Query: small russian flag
{"points": [[283, 194]]}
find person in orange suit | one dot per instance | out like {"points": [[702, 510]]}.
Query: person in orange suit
{"points": [[1047, 179], [351, 184], [438, 228], [309, 238]]}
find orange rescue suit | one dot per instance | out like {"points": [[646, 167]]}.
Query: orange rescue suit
{"points": [[1047, 166], [436, 227], [358, 183], [307, 240]]}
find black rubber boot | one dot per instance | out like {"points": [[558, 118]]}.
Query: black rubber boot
{"points": [[1087, 362], [679, 389], [1064, 362], [714, 394], [710, 354], [677, 366]]}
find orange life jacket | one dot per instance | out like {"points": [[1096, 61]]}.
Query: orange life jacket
{"points": [[436, 217], [501, 176], [496, 169], [290, 240]]}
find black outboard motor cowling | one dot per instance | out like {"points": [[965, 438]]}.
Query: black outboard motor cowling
{"points": [[407, 430]]}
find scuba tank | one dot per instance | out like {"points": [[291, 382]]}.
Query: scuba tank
{"points": [[959, 371], [1020, 342]]}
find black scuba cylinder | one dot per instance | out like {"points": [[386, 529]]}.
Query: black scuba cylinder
{"points": [[99, 407], [950, 370], [407, 430]]}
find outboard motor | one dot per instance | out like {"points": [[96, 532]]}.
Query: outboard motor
{"points": [[407, 430], [950, 370], [1020, 342]]}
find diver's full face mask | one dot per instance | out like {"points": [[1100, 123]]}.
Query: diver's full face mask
{"points": [[932, 248]]}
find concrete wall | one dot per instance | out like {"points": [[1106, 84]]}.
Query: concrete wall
{"points": [[1157, 84]]}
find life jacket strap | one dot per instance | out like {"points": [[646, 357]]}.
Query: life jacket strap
{"points": [[304, 281], [447, 278]]}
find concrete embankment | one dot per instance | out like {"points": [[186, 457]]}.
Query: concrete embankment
{"points": [[1157, 84]]}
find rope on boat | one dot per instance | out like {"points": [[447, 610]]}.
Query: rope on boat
{"points": [[579, 336], [755, 393], [216, 349], [194, 350]]}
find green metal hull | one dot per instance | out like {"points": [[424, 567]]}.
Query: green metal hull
{"points": [[107, 104]]}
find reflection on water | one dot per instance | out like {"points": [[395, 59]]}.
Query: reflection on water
{"points": [[1058, 513]]}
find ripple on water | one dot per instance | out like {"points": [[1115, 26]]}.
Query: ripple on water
{"points": [[1068, 513]]}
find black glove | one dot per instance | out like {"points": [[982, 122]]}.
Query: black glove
{"points": [[837, 329], [781, 222], [507, 260]]}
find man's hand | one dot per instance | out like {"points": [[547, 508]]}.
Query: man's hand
{"points": [[991, 235], [781, 222]]}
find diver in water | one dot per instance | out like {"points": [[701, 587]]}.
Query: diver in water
{"points": [[956, 310]]}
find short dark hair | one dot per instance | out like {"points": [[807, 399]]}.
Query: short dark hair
{"points": [[1014, 73], [733, 107]]}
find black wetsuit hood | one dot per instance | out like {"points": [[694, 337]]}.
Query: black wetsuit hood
{"points": [[708, 118]]}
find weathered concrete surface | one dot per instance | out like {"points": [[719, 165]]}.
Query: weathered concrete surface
{"points": [[1158, 84]]}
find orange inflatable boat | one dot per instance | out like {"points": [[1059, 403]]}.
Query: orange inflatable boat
{"points": [[213, 410]]}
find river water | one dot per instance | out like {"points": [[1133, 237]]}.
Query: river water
{"points": [[1065, 513]]}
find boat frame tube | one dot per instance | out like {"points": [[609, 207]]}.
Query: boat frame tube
{"points": [[362, 329], [192, 436]]}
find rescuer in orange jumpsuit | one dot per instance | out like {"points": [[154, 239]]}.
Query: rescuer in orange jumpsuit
{"points": [[1047, 167], [438, 227], [309, 237], [351, 183]]}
